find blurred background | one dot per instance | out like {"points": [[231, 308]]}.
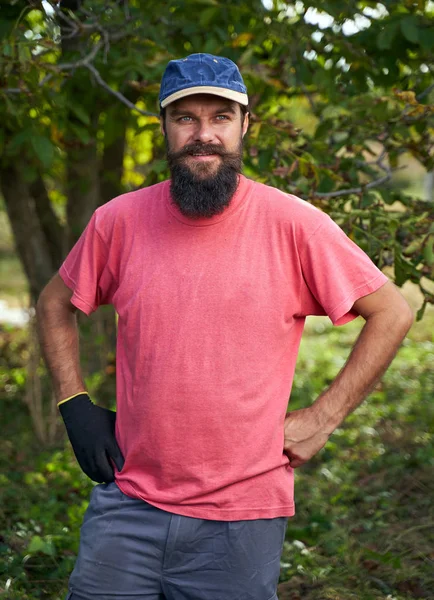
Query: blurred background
{"points": [[341, 97]]}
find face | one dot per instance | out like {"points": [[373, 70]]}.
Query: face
{"points": [[204, 139], [201, 129]]}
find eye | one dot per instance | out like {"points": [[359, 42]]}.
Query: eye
{"points": [[222, 118], [185, 119]]}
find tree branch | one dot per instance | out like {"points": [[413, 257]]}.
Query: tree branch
{"points": [[359, 190], [87, 61], [115, 93], [425, 92], [379, 162]]}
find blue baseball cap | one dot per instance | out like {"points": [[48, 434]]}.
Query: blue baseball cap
{"points": [[202, 74]]}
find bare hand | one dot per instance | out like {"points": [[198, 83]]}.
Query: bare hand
{"points": [[304, 436]]}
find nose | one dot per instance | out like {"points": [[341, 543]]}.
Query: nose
{"points": [[204, 133]]}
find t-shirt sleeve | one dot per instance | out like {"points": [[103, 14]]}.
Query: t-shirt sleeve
{"points": [[86, 271], [336, 273]]}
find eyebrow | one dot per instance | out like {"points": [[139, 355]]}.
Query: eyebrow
{"points": [[227, 108]]}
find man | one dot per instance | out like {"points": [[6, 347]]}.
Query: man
{"points": [[212, 276]]}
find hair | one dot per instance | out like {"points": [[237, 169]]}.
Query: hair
{"points": [[244, 111]]}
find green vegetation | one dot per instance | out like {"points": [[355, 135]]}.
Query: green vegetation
{"points": [[364, 527], [13, 281], [341, 100]]}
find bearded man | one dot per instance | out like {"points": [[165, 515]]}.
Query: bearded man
{"points": [[212, 276]]}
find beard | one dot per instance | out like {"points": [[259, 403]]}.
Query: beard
{"points": [[202, 190]]}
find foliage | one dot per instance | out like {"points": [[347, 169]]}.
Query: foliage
{"points": [[363, 527], [43, 504], [359, 72], [364, 522], [335, 111]]}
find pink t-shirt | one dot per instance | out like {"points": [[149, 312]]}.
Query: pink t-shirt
{"points": [[211, 313]]}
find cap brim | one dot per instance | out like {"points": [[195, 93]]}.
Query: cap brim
{"points": [[206, 89]]}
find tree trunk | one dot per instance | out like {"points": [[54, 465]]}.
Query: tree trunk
{"points": [[82, 162], [50, 225], [30, 241], [112, 167], [82, 187], [115, 132]]}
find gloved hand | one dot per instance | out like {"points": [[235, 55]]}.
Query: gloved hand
{"points": [[91, 431]]}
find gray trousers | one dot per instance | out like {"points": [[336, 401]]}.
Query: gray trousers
{"points": [[131, 550]]}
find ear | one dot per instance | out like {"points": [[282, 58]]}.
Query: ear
{"points": [[162, 127], [245, 124]]}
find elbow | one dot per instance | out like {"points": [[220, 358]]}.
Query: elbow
{"points": [[54, 299], [404, 317], [410, 319], [397, 318], [41, 303], [401, 315], [45, 302]]}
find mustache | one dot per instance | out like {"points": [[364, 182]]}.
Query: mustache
{"points": [[198, 149]]}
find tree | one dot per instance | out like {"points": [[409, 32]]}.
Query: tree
{"points": [[80, 82]]}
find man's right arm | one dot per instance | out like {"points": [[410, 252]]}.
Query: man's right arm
{"points": [[58, 335], [90, 428]]}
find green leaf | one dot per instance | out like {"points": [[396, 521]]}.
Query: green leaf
{"points": [[421, 311], [7, 48], [158, 166], [404, 269], [380, 111], [44, 149], [81, 132], [386, 37], [326, 184], [5, 27], [24, 54], [265, 157], [428, 251], [410, 29], [324, 80], [20, 138], [324, 129], [80, 113], [426, 38], [38, 544], [413, 247], [208, 15]]}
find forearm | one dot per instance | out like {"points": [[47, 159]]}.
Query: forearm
{"points": [[372, 354], [58, 335]]}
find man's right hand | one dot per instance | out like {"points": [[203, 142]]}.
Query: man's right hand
{"points": [[91, 431]]}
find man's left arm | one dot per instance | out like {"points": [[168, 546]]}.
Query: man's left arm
{"points": [[388, 319]]}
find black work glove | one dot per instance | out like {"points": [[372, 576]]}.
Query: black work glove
{"points": [[91, 431]]}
